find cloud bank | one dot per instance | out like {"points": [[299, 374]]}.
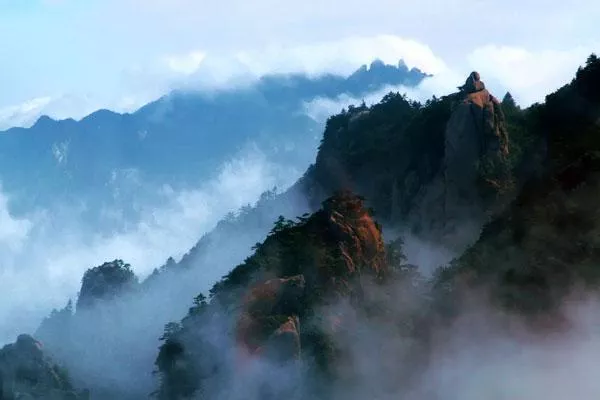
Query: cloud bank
{"points": [[44, 254], [528, 72]]}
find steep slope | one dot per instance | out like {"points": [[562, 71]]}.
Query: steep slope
{"points": [[400, 156], [265, 310], [475, 173], [544, 246], [165, 174]]}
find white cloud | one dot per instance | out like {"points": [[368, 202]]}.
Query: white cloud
{"points": [[145, 32], [528, 74], [322, 108], [68, 106], [445, 82], [24, 114], [487, 356], [185, 64], [44, 254], [201, 69], [342, 56]]}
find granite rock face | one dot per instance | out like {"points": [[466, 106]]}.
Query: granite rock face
{"points": [[269, 323], [475, 174]]}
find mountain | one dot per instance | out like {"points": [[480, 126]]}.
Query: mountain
{"points": [[369, 150], [27, 373], [324, 308], [542, 247], [111, 185], [111, 160], [397, 154], [301, 267], [313, 314]]}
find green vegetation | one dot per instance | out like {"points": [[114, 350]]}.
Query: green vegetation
{"points": [[105, 282], [545, 243], [528, 257], [534, 251], [385, 152], [309, 246]]}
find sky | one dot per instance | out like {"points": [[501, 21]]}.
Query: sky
{"points": [[67, 58]]}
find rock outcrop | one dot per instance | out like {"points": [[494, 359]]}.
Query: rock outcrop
{"points": [[475, 173], [359, 238], [544, 246], [269, 324], [27, 373], [105, 282], [347, 244], [279, 301]]}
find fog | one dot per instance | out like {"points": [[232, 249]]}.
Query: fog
{"points": [[112, 347], [484, 353], [490, 355], [45, 253]]}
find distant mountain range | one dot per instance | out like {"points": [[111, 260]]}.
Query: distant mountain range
{"points": [[177, 140]]}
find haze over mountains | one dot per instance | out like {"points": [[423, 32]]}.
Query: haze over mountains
{"points": [[213, 200], [148, 184], [167, 140]]}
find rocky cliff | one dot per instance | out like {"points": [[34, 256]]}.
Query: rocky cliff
{"points": [[272, 301], [105, 282], [474, 180], [544, 245]]}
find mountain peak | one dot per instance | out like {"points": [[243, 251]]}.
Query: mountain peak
{"points": [[104, 282], [43, 122], [377, 64]]}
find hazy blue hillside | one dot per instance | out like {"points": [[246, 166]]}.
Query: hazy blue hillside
{"points": [[148, 185], [106, 159]]}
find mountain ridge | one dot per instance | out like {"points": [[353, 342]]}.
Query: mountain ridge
{"points": [[376, 66], [173, 129]]}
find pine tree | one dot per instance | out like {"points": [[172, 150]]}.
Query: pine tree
{"points": [[508, 102]]}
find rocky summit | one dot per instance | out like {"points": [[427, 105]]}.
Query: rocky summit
{"points": [[475, 172], [272, 299]]}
